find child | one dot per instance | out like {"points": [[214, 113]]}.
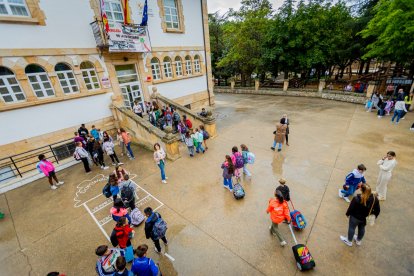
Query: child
{"points": [[352, 181], [199, 137], [98, 154], [121, 267], [279, 212], [190, 143], [119, 210], [237, 165], [205, 136], [123, 233], [83, 155], [48, 170], [183, 130], [245, 152], [388, 106], [120, 173], [195, 139], [113, 181], [108, 147], [105, 265], [143, 265], [284, 189], [228, 172]]}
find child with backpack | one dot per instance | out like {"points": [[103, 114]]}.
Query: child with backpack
{"points": [[246, 160], [143, 265], [206, 136], [189, 143], [198, 135], [195, 139], [155, 228], [121, 267], [284, 189], [127, 188], [113, 186], [237, 160], [123, 233], [279, 212], [228, 172], [187, 122], [105, 265], [352, 182], [176, 119], [119, 210], [47, 168], [183, 130]]}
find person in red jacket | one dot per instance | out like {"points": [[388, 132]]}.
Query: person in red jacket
{"points": [[123, 233], [279, 211], [187, 122]]}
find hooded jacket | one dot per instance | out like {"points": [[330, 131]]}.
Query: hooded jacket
{"points": [[122, 235], [278, 211], [354, 178]]}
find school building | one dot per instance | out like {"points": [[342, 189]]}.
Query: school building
{"points": [[64, 63]]}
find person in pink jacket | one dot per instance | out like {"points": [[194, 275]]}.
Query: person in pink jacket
{"points": [[48, 170]]}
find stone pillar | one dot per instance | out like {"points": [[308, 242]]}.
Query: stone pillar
{"points": [[371, 88], [232, 84], [285, 85], [172, 144], [322, 85], [210, 124], [256, 85]]}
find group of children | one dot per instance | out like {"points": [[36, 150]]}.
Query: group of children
{"points": [[234, 163]]}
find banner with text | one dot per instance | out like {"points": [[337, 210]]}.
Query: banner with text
{"points": [[128, 38]]}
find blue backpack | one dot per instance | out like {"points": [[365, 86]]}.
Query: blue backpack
{"points": [[38, 167], [160, 228], [106, 191]]}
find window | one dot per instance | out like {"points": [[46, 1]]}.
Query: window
{"points": [[10, 89], [13, 8], [155, 68], [39, 80], [89, 75], [188, 69], [167, 67], [197, 68], [66, 78], [171, 14], [114, 12], [178, 66]]}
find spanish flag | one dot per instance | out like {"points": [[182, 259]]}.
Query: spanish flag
{"points": [[126, 12], [104, 17]]}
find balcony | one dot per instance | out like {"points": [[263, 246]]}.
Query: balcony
{"points": [[121, 38]]}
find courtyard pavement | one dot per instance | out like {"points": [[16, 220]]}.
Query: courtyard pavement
{"points": [[209, 232]]}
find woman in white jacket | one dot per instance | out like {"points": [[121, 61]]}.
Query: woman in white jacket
{"points": [[159, 158], [386, 165]]}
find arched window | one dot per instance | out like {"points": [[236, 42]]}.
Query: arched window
{"points": [[66, 78], [167, 67], [89, 75], [188, 69], [197, 68], [155, 68], [178, 66], [39, 80], [10, 89]]}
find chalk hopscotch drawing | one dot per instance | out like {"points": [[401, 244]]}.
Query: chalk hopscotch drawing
{"points": [[98, 206]]}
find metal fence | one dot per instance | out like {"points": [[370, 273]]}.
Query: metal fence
{"points": [[23, 163]]}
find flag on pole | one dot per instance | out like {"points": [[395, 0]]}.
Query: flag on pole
{"points": [[104, 17], [145, 14], [126, 12]]}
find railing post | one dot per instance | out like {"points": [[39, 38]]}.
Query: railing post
{"points": [[16, 167], [53, 154]]}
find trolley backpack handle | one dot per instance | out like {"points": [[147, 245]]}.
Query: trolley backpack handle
{"points": [[293, 234]]}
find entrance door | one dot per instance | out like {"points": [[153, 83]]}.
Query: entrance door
{"points": [[130, 85]]}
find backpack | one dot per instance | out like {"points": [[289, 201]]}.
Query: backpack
{"points": [[176, 117], [298, 220], [238, 191], [76, 156], [127, 193], [205, 135], [159, 229], [106, 191], [136, 217], [183, 129], [114, 240], [239, 162], [38, 167], [168, 117], [251, 157]]}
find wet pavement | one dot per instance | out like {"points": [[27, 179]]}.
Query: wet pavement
{"points": [[209, 232]]}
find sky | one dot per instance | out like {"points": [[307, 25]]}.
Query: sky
{"points": [[224, 5]]}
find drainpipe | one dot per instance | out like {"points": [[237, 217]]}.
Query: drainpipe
{"points": [[205, 54]]}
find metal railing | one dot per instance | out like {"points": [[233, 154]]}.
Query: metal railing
{"points": [[23, 163]]}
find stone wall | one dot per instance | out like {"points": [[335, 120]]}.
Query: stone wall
{"points": [[326, 94]]}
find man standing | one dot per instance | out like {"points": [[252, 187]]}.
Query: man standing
{"points": [[83, 131]]}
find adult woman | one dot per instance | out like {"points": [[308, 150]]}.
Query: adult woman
{"points": [[286, 122], [83, 155], [120, 141], [109, 148], [360, 208], [159, 158], [279, 212], [386, 165], [280, 135]]}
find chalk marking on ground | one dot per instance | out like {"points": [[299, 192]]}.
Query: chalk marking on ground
{"points": [[169, 257], [158, 207], [96, 221]]}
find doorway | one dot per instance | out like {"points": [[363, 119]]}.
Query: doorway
{"points": [[130, 85]]}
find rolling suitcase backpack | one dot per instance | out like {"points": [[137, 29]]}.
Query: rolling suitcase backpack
{"points": [[238, 191], [303, 257], [298, 220]]}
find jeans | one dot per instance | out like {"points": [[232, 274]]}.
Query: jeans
{"points": [[128, 146], [191, 150], [157, 243], [351, 190], [274, 229], [353, 223], [246, 171], [398, 114], [161, 165], [228, 183], [199, 147], [274, 145]]}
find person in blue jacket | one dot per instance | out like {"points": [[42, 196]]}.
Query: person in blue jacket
{"points": [[352, 181], [142, 265]]}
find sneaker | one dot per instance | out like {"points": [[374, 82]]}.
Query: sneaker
{"points": [[163, 181], [231, 190], [412, 128], [166, 243], [120, 163], [156, 250], [341, 195], [102, 167], [346, 199], [113, 164], [272, 148], [283, 243], [60, 183], [345, 240], [53, 187], [279, 149], [403, 118], [106, 167], [357, 242], [166, 177]]}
